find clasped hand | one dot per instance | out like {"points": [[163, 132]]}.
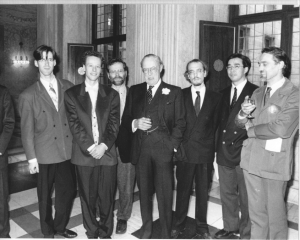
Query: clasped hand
{"points": [[143, 123], [98, 151]]}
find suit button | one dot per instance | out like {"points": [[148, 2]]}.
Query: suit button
{"points": [[235, 132], [232, 143], [54, 125], [65, 124], [224, 131], [55, 138], [223, 142], [272, 154]]}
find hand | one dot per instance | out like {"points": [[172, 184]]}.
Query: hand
{"points": [[247, 107], [98, 151], [248, 124], [33, 167], [143, 123]]}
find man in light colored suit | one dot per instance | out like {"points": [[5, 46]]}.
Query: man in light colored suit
{"points": [[267, 154], [7, 123], [93, 112], [117, 74], [47, 142]]}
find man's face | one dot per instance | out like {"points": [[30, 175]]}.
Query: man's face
{"points": [[196, 73], [151, 69], [117, 74], [46, 64], [235, 69], [92, 68], [269, 68]]}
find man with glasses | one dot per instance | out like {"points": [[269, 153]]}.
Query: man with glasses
{"points": [[268, 153], [196, 154], [47, 142], [229, 146], [154, 112], [117, 74]]}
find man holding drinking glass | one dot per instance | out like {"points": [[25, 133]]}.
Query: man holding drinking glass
{"points": [[154, 112], [267, 154]]}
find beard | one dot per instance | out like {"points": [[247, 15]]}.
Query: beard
{"points": [[118, 81]]}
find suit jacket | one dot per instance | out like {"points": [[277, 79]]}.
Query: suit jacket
{"points": [[230, 137], [171, 117], [7, 123], [79, 111], [198, 145], [279, 118], [123, 142], [45, 131]]}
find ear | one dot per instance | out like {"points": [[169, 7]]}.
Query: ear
{"points": [[282, 65], [160, 67], [54, 62], [205, 73], [245, 70], [35, 63]]}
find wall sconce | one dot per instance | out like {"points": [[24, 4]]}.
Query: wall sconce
{"points": [[21, 58]]}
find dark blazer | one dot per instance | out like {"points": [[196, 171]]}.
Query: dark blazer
{"points": [[198, 140], [79, 110], [123, 141], [229, 137], [7, 123], [45, 131], [170, 111]]}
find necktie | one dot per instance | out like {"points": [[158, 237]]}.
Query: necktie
{"points": [[197, 103], [233, 102], [149, 94], [53, 95], [267, 95]]}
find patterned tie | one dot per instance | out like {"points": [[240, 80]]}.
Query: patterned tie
{"points": [[267, 95], [53, 96], [149, 94], [197, 103], [233, 102]]}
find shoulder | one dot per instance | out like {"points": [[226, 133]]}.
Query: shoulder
{"points": [[73, 89], [214, 94], [251, 86], [108, 90], [66, 83], [225, 90], [30, 91]]}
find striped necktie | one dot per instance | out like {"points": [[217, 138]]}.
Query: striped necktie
{"points": [[149, 94], [53, 96], [233, 102]]}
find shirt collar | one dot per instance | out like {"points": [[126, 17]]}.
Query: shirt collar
{"points": [[155, 87], [89, 87], [240, 86], [202, 88], [277, 85]]}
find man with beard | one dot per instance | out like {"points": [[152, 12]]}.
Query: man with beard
{"points": [[197, 150], [117, 73]]}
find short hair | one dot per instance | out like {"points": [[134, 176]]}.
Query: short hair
{"points": [[245, 60], [154, 56], [92, 54], [205, 66], [38, 52], [280, 55], [116, 60]]}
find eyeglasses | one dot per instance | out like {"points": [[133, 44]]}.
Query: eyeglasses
{"points": [[46, 60], [236, 67], [192, 74], [121, 71], [148, 70]]}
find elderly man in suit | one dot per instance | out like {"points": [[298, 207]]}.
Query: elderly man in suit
{"points": [[267, 154], [155, 112], [7, 124], [47, 142], [117, 74], [229, 146], [196, 154], [93, 112]]}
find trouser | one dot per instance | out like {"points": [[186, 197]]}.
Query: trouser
{"points": [[4, 209]]}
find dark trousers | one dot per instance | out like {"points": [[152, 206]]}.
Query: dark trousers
{"points": [[155, 175], [267, 208], [185, 173], [4, 212], [125, 183], [234, 199], [97, 186], [63, 175]]}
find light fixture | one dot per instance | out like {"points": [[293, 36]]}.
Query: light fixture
{"points": [[21, 58]]}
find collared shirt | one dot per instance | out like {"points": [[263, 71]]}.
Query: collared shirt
{"points": [[122, 90], [239, 89], [202, 91], [276, 86], [155, 87]]}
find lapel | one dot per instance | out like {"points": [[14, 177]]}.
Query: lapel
{"points": [[84, 99], [61, 89], [190, 105], [140, 99], [162, 99], [206, 105], [101, 104], [45, 95]]}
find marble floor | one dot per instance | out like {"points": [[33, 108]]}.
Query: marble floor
{"points": [[25, 216]]}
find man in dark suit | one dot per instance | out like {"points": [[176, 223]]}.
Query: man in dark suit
{"points": [[117, 74], [155, 112], [229, 146], [93, 112], [267, 154], [7, 124], [196, 154], [47, 142]]}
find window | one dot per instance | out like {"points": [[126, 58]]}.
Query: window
{"points": [[109, 32], [260, 26]]}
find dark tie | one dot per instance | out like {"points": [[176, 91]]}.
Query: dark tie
{"points": [[233, 102], [267, 95], [149, 94], [197, 103]]}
